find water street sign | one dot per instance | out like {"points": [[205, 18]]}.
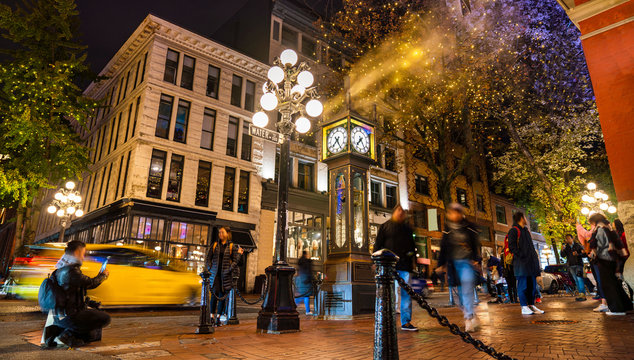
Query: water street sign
{"points": [[265, 134]]}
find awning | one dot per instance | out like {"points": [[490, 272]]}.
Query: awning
{"points": [[243, 238]]}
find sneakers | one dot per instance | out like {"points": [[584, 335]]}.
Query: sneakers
{"points": [[69, 340], [409, 327], [471, 325], [601, 308], [614, 313], [536, 310], [581, 298], [309, 313], [527, 311], [538, 300]]}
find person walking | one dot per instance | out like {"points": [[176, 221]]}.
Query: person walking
{"points": [[573, 252], [223, 263], [303, 282], [459, 255], [525, 264], [397, 236], [605, 246]]}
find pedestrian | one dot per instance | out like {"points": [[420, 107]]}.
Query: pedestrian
{"points": [[573, 252], [76, 323], [525, 263], [605, 247], [397, 236], [304, 280], [223, 261], [511, 281], [459, 255], [620, 231]]}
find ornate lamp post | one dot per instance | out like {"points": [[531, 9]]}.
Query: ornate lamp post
{"points": [[595, 200], [66, 203], [290, 91]]}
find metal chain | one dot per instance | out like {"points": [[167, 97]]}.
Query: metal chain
{"points": [[453, 328], [262, 295], [220, 298]]}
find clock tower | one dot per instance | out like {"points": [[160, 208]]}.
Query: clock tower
{"points": [[348, 147]]}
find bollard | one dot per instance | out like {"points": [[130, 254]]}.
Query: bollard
{"points": [[385, 337], [205, 326], [232, 318]]}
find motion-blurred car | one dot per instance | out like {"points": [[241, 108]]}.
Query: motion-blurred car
{"points": [[137, 276]]}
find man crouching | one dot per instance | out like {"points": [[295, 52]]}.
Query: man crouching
{"points": [[75, 322]]}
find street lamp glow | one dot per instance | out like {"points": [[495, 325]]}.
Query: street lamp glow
{"points": [[71, 210], [585, 211], [302, 125], [70, 185], [60, 213], [592, 212], [276, 74], [58, 196], [298, 89], [603, 206], [71, 197], [51, 209], [260, 119], [77, 199], [314, 108], [612, 209], [268, 101], [288, 57], [591, 200], [79, 213], [586, 198], [598, 195], [605, 197], [305, 78], [592, 186]]}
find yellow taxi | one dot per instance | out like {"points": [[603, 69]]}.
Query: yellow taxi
{"points": [[137, 276]]}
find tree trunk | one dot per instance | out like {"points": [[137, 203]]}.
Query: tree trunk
{"points": [[19, 224], [554, 245]]}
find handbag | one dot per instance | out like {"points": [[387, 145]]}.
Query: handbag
{"points": [[627, 289]]}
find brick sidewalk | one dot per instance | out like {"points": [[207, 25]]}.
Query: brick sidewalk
{"points": [[593, 336]]}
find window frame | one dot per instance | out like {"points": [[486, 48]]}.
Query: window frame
{"points": [[175, 161], [162, 156], [497, 217], [202, 165], [389, 205], [182, 104], [171, 66], [168, 120], [418, 180], [249, 99], [379, 200], [302, 176], [241, 202], [464, 192], [286, 42], [226, 191], [236, 91], [217, 82], [207, 112], [237, 134], [190, 73]]}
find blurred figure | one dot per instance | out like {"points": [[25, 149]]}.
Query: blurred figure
{"points": [[459, 249], [304, 283], [620, 231], [525, 263], [397, 236], [573, 252], [224, 261]]}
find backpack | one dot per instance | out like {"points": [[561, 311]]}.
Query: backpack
{"points": [[508, 256], [51, 295]]}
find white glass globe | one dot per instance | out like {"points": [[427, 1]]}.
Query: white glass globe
{"points": [[71, 197], [603, 206], [70, 210], [305, 78], [592, 212], [598, 195], [60, 213], [51, 209], [288, 57], [314, 108], [268, 101], [298, 89], [64, 199], [77, 198], [605, 197], [157, 248], [260, 119], [612, 209], [58, 196], [585, 198], [592, 186], [79, 213], [276, 74], [70, 185], [302, 125], [585, 211]]}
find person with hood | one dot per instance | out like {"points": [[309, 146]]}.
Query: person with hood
{"points": [[223, 261], [459, 249], [75, 323], [525, 264]]}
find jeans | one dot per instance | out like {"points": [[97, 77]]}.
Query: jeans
{"points": [[574, 271], [406, 301], [526, 289], [84, 322], [466, 274], [597, 278], [306, 302]]}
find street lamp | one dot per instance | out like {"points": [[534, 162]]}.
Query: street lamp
{"points": [[594, 200], [66, 203], [290, 91]]}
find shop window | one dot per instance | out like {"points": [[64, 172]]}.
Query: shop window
{"points": [[182, 118], [164, 116], [461, 197], [202, 183], [213, 81], [209, 127], [390, 196], [305, 175], [155, 178], [304, 234], [175, 178], [171, 66], [243, 192], [500, 214], [232, 136], [187, 74], [229, 189], [236, 91], [422, 185], [147, 228]]}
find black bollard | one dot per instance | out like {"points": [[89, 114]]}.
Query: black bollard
{"points": [[232, 318], [385, 338], [205, 326]]}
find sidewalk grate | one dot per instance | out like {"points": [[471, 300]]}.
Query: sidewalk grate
{"points": [[554, 322]]}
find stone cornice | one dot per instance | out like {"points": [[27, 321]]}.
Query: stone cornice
{"points": [[587, 9]]}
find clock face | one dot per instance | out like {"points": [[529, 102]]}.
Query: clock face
{"points": [[360, 139], [337, 140]]}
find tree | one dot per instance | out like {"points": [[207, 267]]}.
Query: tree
{"points": [[39, 102]]}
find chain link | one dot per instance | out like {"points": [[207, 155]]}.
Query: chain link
{"points": [[453, 328], [262, 295]]}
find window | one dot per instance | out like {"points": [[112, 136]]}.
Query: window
{"points": [[422, 185], [155, 179], [390, 196], [461, 197], [227, 192], [390, 159], [309, 48], [116, 190], [125, 88], [203, 182], [276, 30], [304, 234], [136, 76], [143, 71], [187, 74], [243, 192], [246, 143], [111, 135], [116, 134], [209, 126], [236, 90], [175, 178], [375, 193], [136, 115], [125, 175], [478, 173], [213, 81], [107, 187], [232, 136], [305, 175], [420, 218], [127, 128], [249, 96], [480, 203], [500, 214], [182, 117], [171, 66], [289, 37], [164, 116], [120, 90]]}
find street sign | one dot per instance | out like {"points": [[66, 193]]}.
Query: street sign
{"points": [[265, 134]]}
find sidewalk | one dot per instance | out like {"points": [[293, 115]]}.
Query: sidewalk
{"points": [[588, 336]]}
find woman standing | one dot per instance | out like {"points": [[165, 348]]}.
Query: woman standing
{"points": [[620, 231], [604, 246], [223, 263]]}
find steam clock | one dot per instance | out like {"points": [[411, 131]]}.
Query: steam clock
{"points": [[348, 147]]}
